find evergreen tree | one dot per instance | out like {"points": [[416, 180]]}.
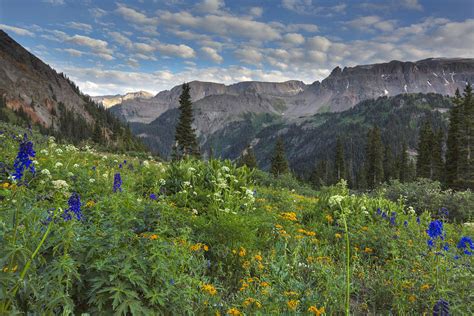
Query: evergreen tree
{"points": [[388, 165], [185, 137], [97, 136], [452, 143], [319, 176], [362, 178], [248, 158], [279, 163], [437, 163], [466, 140], [425, 144], [374, 158], [404, 164], [339, 163]]}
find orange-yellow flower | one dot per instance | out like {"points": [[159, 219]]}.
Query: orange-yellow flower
{"points": [[368, 250], [329, 219], [258, 258], [291, 216], [338, 235], [316, 311], [292, 304], [412, 298], [154, 237], [209, 289], [425, 287], [234, 312], [242, 252]]}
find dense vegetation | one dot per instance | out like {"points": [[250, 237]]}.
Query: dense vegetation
{"points": [[84, 231]]}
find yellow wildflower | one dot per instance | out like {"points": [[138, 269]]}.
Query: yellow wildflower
{"points": [[5, 269], [292, 304], [154, 237], [244, 286], [291, 216], [316, 311], [365, 228], [246, 264], [291, 293], [278, 226], [15, 268], [234, 312], [425, 287], [258, 258], [412, 298], [209, 289], [251, 301], [90, 203], [368, 250], [338, 235], [205, 247], [329, 219], [5, 185], [264, 284], [242, 252]]}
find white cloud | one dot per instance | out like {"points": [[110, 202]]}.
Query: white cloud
{"points": [[310, 28], [293, 39], [212, 54], [54, 2], [121, 39], [181, 50], [73, 52], [411, 4], [225, 25], [80, 26], [249, 55], [98, 46], [135, 16], [320, 43], [256, 11], [371, 23], [211, 6], [16, 30]]}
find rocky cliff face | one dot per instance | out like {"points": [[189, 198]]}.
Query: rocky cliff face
{"points": [[28, 83], [344, 88], [110, 100], [340, 91]]}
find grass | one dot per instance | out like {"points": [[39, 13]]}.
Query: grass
{"points": [[197, 237]]}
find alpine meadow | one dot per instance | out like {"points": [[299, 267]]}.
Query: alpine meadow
{"points": [[212, 157]]}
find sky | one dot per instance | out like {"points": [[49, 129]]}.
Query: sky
{"points": [[114, 47]]}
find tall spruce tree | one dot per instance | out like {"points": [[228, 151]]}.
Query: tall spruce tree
{"points": [[339, 163], [374, 158], [248, 158], [425, 145], [279, 163], [388, 164], [185, 137], [319, 176], [452, 143], [404, 164], [437, 163], [466, 140]]}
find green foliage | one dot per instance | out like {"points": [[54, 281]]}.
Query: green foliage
{"points": [[427, 195], [195, 237], [279, 163], [185, 137], [374, 158], [248, 158]]}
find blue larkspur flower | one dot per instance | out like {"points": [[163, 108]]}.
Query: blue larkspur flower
{"points": [[384, 215], [117, 182], [435, 229], [379, 211], [405, 223], [441, 308], [172, 282], [430, 243], [393, 219], [463, 243], [22, 160], [74, 203], [153, 196], [418, 219]]}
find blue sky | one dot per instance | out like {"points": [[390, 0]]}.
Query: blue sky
{"points": [[110, 47]]}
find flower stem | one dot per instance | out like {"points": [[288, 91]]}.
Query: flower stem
{"points": [[348, 271]]}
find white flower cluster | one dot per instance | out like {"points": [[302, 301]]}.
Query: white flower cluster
{"points": [[71, 148], [58, 165], [60, 184], [335, 200], [162, 182], [146, 163], [44, 152], [59, 151]]}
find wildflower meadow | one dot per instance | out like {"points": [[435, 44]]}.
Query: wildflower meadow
{"points": [[97, 233]]}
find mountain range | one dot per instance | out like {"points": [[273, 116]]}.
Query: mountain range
{"points": [[229, 117]]}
